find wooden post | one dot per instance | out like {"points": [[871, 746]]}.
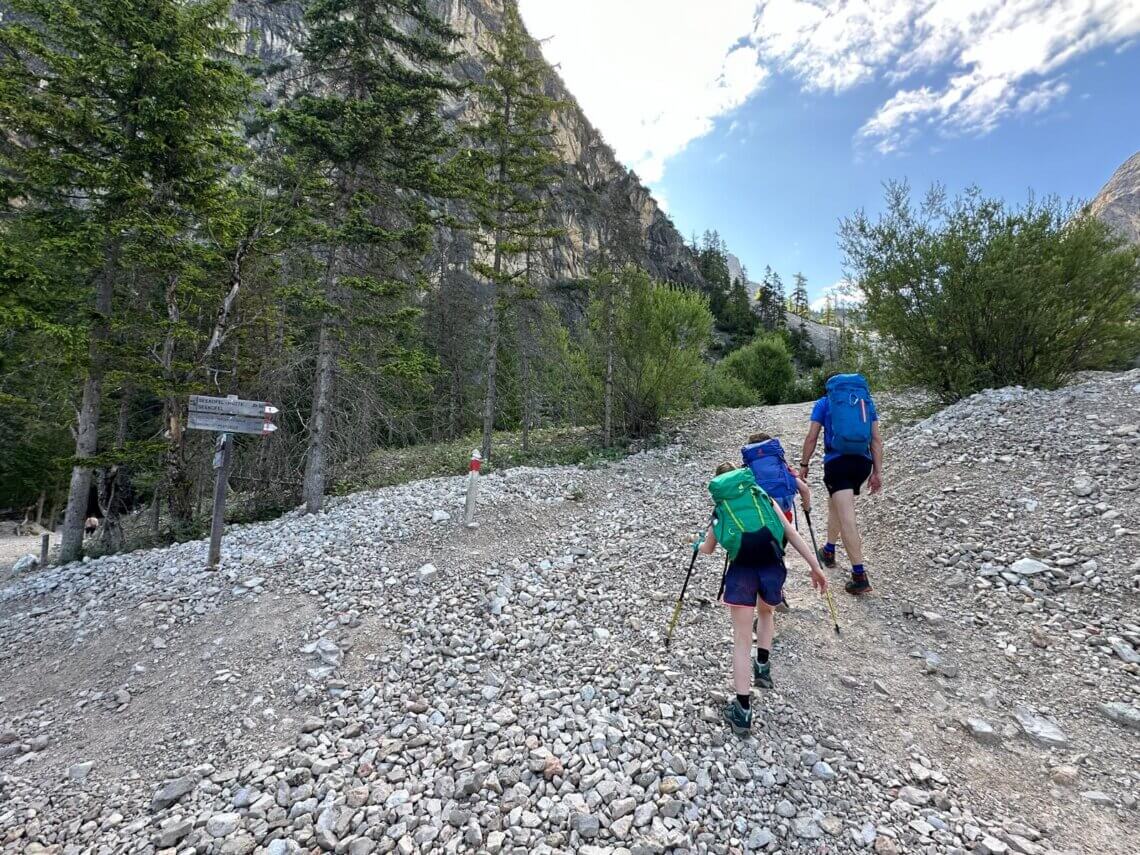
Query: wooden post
{"points": [[45, 544], [222, 455]]}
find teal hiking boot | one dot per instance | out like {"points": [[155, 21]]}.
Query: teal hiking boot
{"points": [[738, 718], [827, 559], [762, 674]]}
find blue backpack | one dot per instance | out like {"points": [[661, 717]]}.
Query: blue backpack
{"points": [[849, 406], [766, 460]]}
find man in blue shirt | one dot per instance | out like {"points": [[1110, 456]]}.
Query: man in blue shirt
{"points": [[844, 476]]}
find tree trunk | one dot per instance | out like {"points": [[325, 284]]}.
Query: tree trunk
{"points": [[320, 419], [316, 461], [54, 512], [526, 395], [608, 418], [87, 431], [40, 508], [492, 365], [113, 484]]}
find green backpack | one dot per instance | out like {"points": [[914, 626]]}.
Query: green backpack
{"points": [[742, 506]]}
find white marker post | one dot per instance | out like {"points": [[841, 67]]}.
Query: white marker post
{"points": [[472, 488]]}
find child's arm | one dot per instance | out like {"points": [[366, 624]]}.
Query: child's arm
{"points": [[818, 580], [709, 545], [805, 493]]}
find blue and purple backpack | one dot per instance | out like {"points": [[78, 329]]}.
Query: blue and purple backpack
{"points": [[767, 462]]}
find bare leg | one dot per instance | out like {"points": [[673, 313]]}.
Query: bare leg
{"points": [[741, 649], [843, 505], [765, 626], [832, 521]]}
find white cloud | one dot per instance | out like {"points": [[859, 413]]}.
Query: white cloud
{"points": [[842, 293], [652, 75], [996, 57]]}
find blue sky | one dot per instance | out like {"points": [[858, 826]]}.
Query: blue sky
{"points": [[770, 121]]}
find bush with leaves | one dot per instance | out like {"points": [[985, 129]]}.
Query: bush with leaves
{"points": [[661, 334], [765, 367], [972, 293], [722, 388]]}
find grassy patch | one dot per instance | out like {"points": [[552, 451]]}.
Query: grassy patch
{"points": [[563, 446]]}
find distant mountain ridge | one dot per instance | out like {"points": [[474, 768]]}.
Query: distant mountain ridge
{"points": [[1118, 202]]}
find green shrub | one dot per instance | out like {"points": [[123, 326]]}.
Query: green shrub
{"points": [[660, 334], [764, 366], [722, 388], [973, 293]]}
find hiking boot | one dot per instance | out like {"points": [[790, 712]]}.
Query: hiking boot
{"points": [[827, 559], [738, 718], [858, 585], [762, 674]]}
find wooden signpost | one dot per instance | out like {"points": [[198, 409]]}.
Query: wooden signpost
{"points": [[225, 417]]}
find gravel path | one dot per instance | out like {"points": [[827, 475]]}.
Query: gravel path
{"points": [[371, 680]]}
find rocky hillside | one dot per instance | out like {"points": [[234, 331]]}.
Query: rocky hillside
{"points": [[379, 678], [824, 338], [1118, 202], [598, 188]]}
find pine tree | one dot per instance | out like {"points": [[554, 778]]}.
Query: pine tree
{"points": [[778, 302], [367, 127], [713, 264], [510, 169], [739, 319], [119, 126], [800, 304]]}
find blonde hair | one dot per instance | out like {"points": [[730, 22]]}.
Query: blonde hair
{"points": [[724, 467]]}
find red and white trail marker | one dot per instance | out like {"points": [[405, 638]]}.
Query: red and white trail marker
{"points": [[473, 469]]}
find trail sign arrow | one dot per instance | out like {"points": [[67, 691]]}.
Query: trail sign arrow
{"points": [[230, 407], [230, 424]]}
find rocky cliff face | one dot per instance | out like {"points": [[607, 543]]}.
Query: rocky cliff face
{"points": [[595, 179], [1118, 202]]}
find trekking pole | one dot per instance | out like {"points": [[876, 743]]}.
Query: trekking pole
{"points": [[815, 547], [677, 608]]}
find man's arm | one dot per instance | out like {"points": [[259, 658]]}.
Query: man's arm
{"points": [[810, 442], [876, 482]]}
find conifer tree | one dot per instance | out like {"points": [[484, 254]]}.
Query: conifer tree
{"points": [[119, 131], [367, 127], [778, 301], [510, 168], [713, 264], [800, 304]]}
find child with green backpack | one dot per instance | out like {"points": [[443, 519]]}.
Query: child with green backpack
{"points": [[753, 531]]}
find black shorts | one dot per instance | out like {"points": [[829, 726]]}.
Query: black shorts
{"points": [[846, 472]]}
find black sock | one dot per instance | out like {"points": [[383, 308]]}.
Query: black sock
{"points": [[745, 701], [761, 655]]}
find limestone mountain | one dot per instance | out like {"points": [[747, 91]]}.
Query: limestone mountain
{"points": [[1118, 202], [596, 192]]}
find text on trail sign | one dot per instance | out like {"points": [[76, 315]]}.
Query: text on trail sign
{"points": [[230, 424], [230, 407]]}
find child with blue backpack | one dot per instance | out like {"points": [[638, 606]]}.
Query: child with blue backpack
{"points": [[753, 530], [853, 455], [764, 455]]}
